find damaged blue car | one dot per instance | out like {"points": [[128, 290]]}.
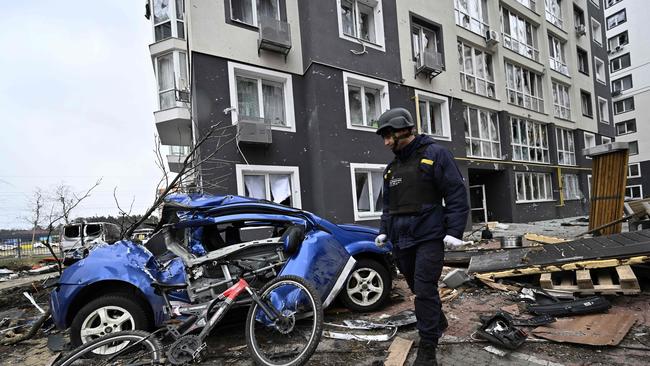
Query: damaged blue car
{"points": [[206, 243]]}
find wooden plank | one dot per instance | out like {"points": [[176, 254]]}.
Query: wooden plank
{"points": [[545, 281], [583, 279], [398, 352], [626, 278]]}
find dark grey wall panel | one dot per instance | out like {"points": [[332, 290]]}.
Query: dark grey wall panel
{"points": [[601, 90]]}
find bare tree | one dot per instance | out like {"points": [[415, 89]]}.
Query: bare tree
{"points": [[219, 135], [65, 197], [37, 202]]}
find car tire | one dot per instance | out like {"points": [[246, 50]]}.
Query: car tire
{"points": [[117, 312], [367, 287]]}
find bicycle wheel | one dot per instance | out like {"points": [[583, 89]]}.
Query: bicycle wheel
{"points": [[116, 349], [293, 338]]}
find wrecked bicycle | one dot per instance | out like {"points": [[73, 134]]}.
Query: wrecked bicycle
{"points": [[283, 327]]}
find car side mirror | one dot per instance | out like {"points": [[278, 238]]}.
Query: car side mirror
{"points": [[292, 238]]}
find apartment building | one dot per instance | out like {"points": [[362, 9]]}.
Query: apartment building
{"points": [[514, 88], [629, 64]]}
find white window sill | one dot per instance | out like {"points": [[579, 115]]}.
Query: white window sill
{"points": [[366, 216], [531, 162], [363, 128], [360, 41], [441, 138], [538, 201], [485, 157]]}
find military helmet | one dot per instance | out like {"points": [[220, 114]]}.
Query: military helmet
{"points": [[396, 118]]}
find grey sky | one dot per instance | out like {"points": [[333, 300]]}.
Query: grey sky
{"points": [[77, 94]]}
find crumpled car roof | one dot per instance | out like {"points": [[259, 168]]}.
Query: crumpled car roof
{"points": [[196, 200]]}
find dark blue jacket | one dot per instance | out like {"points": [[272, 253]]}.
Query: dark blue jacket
{"points": [[434, 221]]}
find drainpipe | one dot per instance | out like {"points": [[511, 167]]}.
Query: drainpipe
{"points": [[559, 183], [417, 113]]}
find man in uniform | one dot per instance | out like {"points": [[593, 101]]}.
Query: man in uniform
{"points": [[414, 219]]}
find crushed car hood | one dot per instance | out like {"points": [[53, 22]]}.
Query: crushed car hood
{"points": [[359, 229]]}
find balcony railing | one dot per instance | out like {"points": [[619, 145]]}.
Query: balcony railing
{"points": [[274, 35]]}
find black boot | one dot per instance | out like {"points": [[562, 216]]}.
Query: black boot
{"points": [[426, 355]]}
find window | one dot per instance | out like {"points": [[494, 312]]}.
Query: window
{"points": [[168, 19], [476, 75], [367, 187], [175, 150], [425, 39], [519, 35], [472, 15], [590, 140], [605, 140], [362, 20], [616, 19], [250, 11], [171, 72], [604, 110], [554, 12], [529, 141], [578, 17], [622, 84], [533, 187], [596, 3], [571, 187], [261, 95], [434, 115], [524, 87], [624, 105], [556, 55], [561, 101], [634, 170], [635, 191], [585, 100], [279, 184], [625, 127], [599, 66], [612, 2], [365, 100], [634, 147], [596, 32], [566, 150], [589, 184], [481, 133], [619, 63], [583, 61], [618, 41], [530, 4]]}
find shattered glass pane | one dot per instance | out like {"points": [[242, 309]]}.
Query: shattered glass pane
{"points": [[247, 97], [363, 201], [354, 99]]}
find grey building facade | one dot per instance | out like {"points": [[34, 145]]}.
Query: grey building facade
{"points": [[301, 83]]}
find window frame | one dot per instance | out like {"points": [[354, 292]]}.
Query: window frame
{"points": [[620, 59], [523, 71], [598, 40], [593, 139], [480, 139], [530, 4], [590, 106], [483, 24], [546, 179], [173, 20], [516, 44], [253, 72], [561, 100], [634, 143], [625, 123], [617, 37], [631, 187], [565, 138], [582, 54], [466, 76], [610, 3], [557, 62], [638, 167], [622, 80], [575, 185], [378, 18], [622, 11], [362, 82], [598, 75], [538, 129], [293, 171], [364, 168], [603, 117], [556, 20], [443, 103], [254, 11], [622, 103], [178, 59], [603, 138]]}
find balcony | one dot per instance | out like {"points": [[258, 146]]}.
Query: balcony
{"points": [[429, 63], [254, 130], [275, 35], [175, 162], [174, 126]]}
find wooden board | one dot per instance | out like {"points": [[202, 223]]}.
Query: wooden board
{"points": [[595, 330], [398, 352], [607, 281]]}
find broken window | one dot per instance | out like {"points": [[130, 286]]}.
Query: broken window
{"points": [[261, 98], [481, 133], [358, 19], [561, 101], [366, 99], [554, 12], [533, 187], [529, 141], [279, 184], [171, 72], [524, 87], [476, 74], [368, 187], [424, 40], [472, 15], [431, 117], [519, 34], [250, 11], [571, 187], [557, 57], [72, 231], [168, 19]]}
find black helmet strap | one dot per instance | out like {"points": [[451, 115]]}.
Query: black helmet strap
{"points": [[396, 138]]}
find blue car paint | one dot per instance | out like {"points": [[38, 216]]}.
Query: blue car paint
{"points": [[321, 257]]}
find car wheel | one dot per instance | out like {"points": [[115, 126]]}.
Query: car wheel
{"points": [[108, 314], [367, 287]]}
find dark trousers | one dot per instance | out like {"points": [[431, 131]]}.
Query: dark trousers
{"points": [[421, 265]]}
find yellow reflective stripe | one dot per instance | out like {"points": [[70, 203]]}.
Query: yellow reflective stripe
{"points": [[426, 161]]}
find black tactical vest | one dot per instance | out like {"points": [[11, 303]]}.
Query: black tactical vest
{"points": [[408, 186]]}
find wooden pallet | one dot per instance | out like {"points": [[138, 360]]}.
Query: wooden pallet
{"points": [[606, 281]]}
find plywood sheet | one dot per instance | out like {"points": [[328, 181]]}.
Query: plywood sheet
{"points": [[595, 330], [398, 352]]}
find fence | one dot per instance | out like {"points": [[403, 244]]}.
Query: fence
{"points": [[19, 249]]}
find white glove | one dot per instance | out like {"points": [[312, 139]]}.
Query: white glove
{"points": [[381, 240], [452, 242]]}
